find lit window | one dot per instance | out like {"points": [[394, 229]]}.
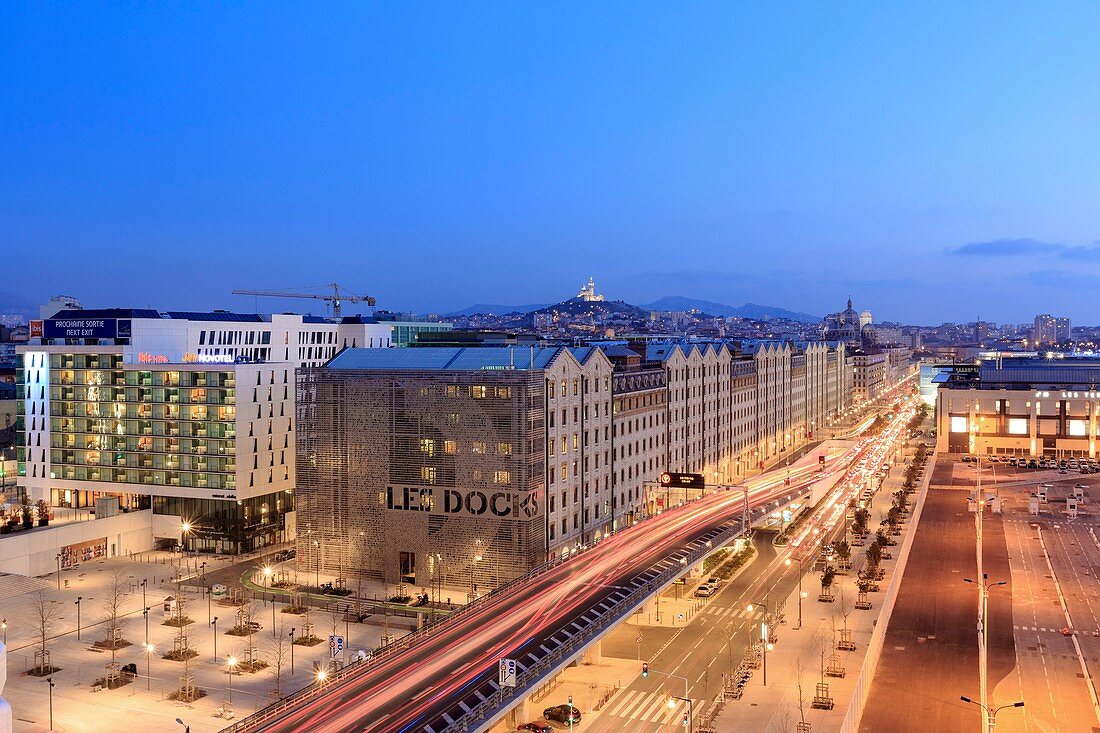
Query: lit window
{"points": [[427, 474], [504, 449], [477, 392], [1078, 428], [504, 393], [452, 390], [502, 477], [450, 447], [958, 424], [1017, 426], [478, 447], [427, 446]]}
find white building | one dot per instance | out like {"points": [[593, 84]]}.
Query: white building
{"points": [[190, 413]]}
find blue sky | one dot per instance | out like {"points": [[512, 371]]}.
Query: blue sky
{"points": [[937, 162]]}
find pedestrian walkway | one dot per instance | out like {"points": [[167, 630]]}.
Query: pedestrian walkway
{"points": [[652, 707]]}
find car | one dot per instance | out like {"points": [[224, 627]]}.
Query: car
{"points": [[1012, 461], [1079, 486], [967, 459], [704, 591], [1032, 464], [562, 714], [536, 727], [1062, 471], [1046, 485], [284, 555], [994, 459], [715, 581]]}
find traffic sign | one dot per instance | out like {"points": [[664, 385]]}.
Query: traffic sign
{"points": [[507, 673], [682, 480], [335, 644]]}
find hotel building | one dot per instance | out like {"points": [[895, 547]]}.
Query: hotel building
{"points": [[189, 414]]}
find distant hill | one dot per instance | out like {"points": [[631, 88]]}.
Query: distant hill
{"points": [[748, 310], [496, 310], [580, 306]]}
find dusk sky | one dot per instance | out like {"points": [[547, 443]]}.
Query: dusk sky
{"points": [[935, 163]]}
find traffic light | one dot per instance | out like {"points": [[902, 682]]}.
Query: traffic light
{"points": [[685, 719], [570, 701], [645, 669]]}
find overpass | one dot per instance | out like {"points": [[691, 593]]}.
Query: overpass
{"points": [[443, 679]]}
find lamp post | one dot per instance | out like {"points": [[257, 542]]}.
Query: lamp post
{"points": [[49, 681], [58, 576], [230, 666], [4, 628], [186, 727], [185, 529], [763, 637], [991, 715], [473, 588], [983, 635], [672, 706], [267, 581], [145, 605], [317, 568], [77, 601], [292, 650], [148, 664], [801, 595], [214, 623]]}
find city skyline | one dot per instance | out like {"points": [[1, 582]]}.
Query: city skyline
{"points": [[786, 157]]}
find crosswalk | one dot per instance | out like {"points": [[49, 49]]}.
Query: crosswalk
{"points": [[645, 706], [732, 613]]}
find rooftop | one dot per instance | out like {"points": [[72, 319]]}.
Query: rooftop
{"points": [[447, 358]]}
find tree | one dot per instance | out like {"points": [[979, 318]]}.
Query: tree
{"points": [[278, 647], [112, 621], [842, 551], [46, 614], [874, 554]]}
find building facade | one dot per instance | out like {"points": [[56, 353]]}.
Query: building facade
{"points": [[1022, 407], [190, 414]]}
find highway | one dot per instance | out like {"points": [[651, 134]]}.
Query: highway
{"points": [[434, 680]]}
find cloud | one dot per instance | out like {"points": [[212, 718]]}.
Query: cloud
{"points": [[1026, 247]]}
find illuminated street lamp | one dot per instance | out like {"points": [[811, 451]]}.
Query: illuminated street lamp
{"points": [[672, 706], [765, 644], [991, 715], [148, 664], [230, 668], [801, 595]]}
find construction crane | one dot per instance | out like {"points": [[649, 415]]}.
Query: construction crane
{"points": [[338, 296]]}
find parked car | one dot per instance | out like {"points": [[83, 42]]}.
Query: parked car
{"points": [[704, 591], [715, 581], [284, 555], [537, 727], [562, 714]]}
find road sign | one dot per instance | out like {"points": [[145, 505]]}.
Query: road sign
{"points": [[682, 480], [638, 640], [335, 644], [507, 673]]}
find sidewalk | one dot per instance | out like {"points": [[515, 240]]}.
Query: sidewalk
{"points": [[142, 704]]}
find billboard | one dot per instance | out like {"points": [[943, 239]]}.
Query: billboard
{"points": [[85, 328], [682, 480]]}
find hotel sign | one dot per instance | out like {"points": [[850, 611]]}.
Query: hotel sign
{"points": [[86, 328]]}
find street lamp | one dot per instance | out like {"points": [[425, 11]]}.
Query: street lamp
{"points": [[49, 680], [983, 649], [992, 714], [230, 667], [672, 706], [58, 576], [145, 605], [763, 638], [4, 628], [292, 650], [317, 552], [473, 588], [148, 664], [801, 595], [185, 529], [214, 623], [322, 675], [186, 727], [77, 602]]}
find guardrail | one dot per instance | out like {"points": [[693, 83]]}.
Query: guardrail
{"points": [[529, 678]]}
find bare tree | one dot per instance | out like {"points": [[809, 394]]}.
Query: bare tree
{"points": [[783, 720], [278, 647], [113, 617], [46, 613], [798, 670]]}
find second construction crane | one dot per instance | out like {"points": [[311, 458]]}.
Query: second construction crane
{"points": [[339, 295]]}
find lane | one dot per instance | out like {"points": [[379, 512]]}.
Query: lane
{"points": [[447, 671]]}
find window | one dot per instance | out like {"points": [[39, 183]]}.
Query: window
{"points": [[502, 477], [1078, 428], [478, 447], [504, 449], [504, 393], [427, 474], [450, 447], [452, 418], [550, 386], [564, 471], [958, 424], [575, 443], [1017, 426], [452, 390], [427, 446], [477, 392]]}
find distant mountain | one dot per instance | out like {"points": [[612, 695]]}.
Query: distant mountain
{"points": [[748, 310], [496, 310]]}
